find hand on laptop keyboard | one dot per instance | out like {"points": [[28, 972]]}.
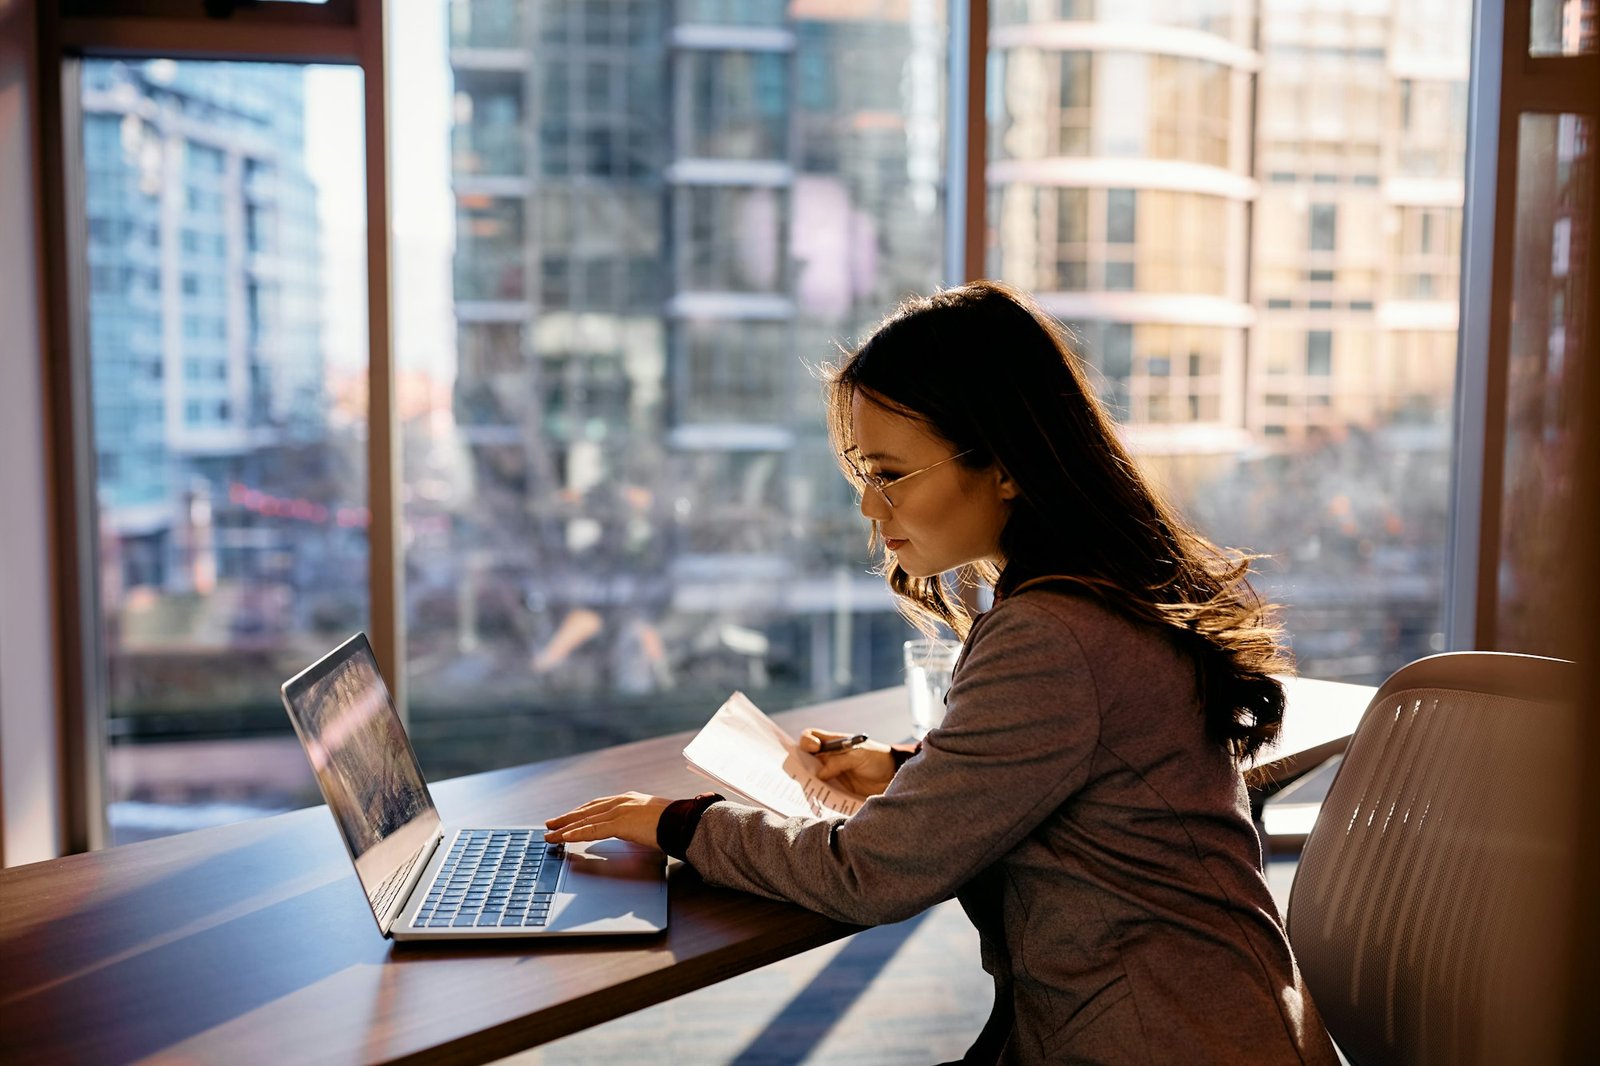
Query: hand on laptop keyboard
{"points": [[631, 816]]}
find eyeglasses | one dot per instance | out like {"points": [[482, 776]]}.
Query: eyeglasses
{"points": [[881, 486]]}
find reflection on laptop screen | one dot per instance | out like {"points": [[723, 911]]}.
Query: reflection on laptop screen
{"points": [[364, 764]]}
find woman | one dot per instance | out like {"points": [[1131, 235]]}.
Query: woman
{"points": [[1082, 797]]}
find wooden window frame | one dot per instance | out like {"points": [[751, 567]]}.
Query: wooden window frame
{"points": [[1506, 84], [342, 32]]}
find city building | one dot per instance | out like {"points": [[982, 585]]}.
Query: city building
{"points": [[1357, 237], [205, 322], [661, 209], [1121, 189], [1247, 214]]}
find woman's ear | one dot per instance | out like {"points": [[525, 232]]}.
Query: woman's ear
{"points": [[1008, 488]]}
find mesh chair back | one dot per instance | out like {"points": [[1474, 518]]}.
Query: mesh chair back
{"points": [[1409, 914]]}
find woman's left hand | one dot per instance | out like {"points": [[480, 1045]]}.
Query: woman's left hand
{"points": [[631, 816]]}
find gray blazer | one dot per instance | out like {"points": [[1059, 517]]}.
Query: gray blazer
{"points": [[1101, 844]]}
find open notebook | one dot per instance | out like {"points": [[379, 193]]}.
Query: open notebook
{"points": [[748, 753]]}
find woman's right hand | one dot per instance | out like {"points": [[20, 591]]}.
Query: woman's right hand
{"points": [[865, 769]]}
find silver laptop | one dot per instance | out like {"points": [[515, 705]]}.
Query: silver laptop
{"points": [[428, 881]]}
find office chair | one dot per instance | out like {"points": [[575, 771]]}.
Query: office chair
{"points": [[1421, 912]]}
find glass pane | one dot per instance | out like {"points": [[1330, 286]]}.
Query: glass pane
{"points": [[1152, 240], [731, 12], [1184, 109], [1262, 265], [620, 503], [1549, 323], [733, 105], [228, 360], [1564, 27], [1222, 18]]}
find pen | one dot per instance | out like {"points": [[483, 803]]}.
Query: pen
{"points": [[842, 743]]}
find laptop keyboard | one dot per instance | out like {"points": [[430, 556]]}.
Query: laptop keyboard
{"points": [[386, 893], [493, 877]]}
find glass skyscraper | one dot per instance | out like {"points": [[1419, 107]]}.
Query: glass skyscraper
{"points": [[204, 288], [664, 213], [1247, 213]]}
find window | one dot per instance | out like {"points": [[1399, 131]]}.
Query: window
{"points": [[1177, 107], [1120, 215], [1563, 28], [1323, 219], [224, 561], [1319, 353], [731, 238], [1426, 251], [617, 452], [733, 105], [1095, 246], [1253, 221], [647, 244], [487, 137], [489, 233], [1555, 191], [736, 371]]}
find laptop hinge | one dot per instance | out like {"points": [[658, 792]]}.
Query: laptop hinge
{"points": [[418, 868]]}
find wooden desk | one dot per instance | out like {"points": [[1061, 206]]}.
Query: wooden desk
{"points": [[253, 942]]}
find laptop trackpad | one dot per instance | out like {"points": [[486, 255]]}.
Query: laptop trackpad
{"points": [[612, 886], [611, 859]]}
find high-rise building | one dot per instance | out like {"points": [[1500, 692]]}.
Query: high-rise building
{"points": [[665, 212], [205, 322], [1247, 212], [1121, 185], [1357, 238]]}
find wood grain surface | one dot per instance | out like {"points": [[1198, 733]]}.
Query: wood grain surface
{"points": [[253, 943]]}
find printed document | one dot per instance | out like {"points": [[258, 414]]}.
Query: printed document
{"points": [[746, 752]]}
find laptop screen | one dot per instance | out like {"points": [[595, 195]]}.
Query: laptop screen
{"points": [[364, 765]]}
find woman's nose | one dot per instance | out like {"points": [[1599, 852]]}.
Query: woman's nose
{"points": [[874, 506]]}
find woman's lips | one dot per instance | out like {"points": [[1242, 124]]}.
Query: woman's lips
{"points": [[893, 544]]}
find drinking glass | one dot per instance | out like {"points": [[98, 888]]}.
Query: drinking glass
{"points": [[929, 664]]}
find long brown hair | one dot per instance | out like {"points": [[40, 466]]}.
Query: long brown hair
{"points": [[992, 374]]}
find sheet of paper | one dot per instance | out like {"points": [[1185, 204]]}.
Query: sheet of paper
{"points": [[746, 752]]}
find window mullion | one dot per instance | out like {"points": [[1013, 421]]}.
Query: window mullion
{"points": [[966, 147], [74, 518], [383, 461], [1480, 424]]}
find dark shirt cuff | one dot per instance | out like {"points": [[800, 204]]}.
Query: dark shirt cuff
{"points": [[901, 752], [676, 826]]}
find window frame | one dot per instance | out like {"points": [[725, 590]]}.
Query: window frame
{"points": [[1506, 82], [340, 32]]}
